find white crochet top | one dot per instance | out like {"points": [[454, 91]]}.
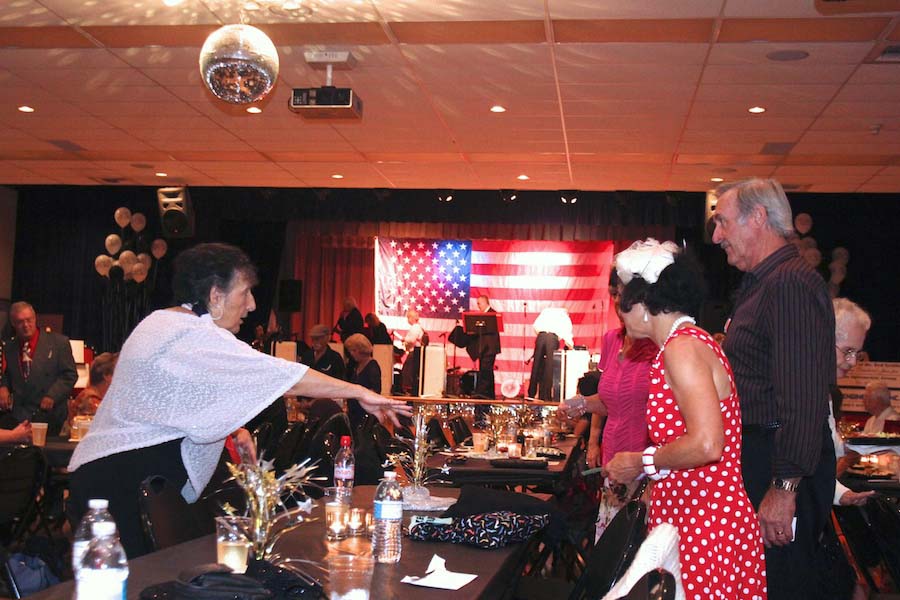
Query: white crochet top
{"points": [[183, 376]]}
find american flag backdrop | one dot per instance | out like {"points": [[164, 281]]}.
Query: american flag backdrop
{"points": [[442, 278]]}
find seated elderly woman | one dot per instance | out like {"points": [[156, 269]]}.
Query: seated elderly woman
{"points": [[694, 419], [183, 384], [366, 373]]}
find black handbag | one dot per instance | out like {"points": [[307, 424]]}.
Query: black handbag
{"points": [[263, 581], [208, 582]]}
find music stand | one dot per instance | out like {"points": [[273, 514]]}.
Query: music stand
{"points": [[481, 323]]}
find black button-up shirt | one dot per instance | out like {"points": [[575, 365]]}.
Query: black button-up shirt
{"points": [[780, 342]]}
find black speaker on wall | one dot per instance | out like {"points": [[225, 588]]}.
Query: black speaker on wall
{"points": [[176, 214], [290, 293]]}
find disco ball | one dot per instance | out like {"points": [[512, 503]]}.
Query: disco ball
{"points": [[239, 64]]}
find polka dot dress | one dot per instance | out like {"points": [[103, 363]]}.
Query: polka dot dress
{"points": [[721, 547]]}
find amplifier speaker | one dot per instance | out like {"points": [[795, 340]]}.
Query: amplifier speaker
{"points": [[290, 294], [176, 213]]}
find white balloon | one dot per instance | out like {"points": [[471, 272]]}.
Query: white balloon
{"points": [[139, 272], [113, 243], [803, 223], [122, 216], [158, 248], [127, 259], [145, 259], [138, 222], [102, 263]]}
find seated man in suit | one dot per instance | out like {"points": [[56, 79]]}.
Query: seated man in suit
{"points": [[39, 376]]}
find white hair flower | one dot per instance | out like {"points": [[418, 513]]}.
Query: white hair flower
{"points": [[645, 259]]}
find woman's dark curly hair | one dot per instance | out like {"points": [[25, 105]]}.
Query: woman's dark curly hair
{"points": [[199, 269], [680, 288]]}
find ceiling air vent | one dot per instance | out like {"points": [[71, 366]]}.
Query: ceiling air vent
{"points": [[777, 148], [66, 145]]}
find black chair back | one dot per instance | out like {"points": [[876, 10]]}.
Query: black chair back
{"points": [[325, 444], [613, 552], [460, 430], [435, 434], [292, 447], [166, 516], [23, 472]]}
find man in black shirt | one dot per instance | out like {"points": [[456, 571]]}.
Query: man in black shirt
{"points": [[320, 356], [780, 342]]}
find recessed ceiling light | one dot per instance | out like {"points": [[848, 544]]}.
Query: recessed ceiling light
{"points": [[337, 176], [523, 177], [26, 109], [498, 109], [716, 179], [172, 2], [756, 110], [254, 110], [251, 6], [161, 174]]}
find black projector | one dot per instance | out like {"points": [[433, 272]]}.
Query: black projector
{"points": [[327, 102]]}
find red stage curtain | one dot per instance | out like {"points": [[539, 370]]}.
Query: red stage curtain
{"points": [[335, 260]]}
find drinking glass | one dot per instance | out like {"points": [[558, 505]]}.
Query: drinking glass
{"points": [[232, 545], [350, 576]]}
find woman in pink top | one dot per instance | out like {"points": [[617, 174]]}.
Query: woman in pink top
{"points": [[623, 391]]}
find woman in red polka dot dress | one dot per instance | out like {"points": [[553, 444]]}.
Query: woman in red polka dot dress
{"points": [[694, 422]]}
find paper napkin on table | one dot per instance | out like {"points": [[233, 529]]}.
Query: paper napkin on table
{"points": [[437, 576]]}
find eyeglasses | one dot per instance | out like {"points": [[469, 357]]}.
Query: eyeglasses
{"points": [[849, 353]]}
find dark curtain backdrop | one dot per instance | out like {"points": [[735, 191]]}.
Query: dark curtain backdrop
{"points": [[61, 229]]}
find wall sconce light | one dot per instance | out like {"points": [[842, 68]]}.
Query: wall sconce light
{"points": [[568, 196]]}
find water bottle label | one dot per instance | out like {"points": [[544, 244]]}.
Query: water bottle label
{"points": [[101, 584], [388, 510], [345, 472]]}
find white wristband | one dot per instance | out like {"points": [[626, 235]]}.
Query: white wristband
{"points": [[647, 460]]}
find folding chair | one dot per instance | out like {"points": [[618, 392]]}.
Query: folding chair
{"points": [[166, 517], [23, 473]]}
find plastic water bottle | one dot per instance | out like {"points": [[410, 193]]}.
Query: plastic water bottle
{"points": [[104, 569], [344, 471], [386, 541], [98, 511]]}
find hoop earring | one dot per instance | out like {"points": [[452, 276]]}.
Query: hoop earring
{"points": [[220, 315]]}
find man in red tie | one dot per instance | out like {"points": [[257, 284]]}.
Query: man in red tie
{"points": [[39, 376]]}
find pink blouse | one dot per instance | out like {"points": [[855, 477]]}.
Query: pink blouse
{"points": [[624, 388]]}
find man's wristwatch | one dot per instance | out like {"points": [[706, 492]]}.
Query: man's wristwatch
{"points": [[785, 484]]}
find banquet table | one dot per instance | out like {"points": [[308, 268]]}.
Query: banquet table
{"points": [[479, 471], [495, 568]]}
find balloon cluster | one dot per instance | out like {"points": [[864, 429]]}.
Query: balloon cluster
{"points": [[809, 250], [125, 264]]}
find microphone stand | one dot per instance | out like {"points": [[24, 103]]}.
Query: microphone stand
{"points": [[524, 350]]}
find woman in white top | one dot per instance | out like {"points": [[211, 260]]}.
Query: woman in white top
{"points": [[183, 384]]}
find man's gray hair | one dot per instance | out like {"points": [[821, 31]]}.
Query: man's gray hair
{"points": [[767, 193], [846, 314], [17, 307]]}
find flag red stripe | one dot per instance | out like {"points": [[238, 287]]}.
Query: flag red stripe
{"points": [[532, 295], [581, 270]]}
